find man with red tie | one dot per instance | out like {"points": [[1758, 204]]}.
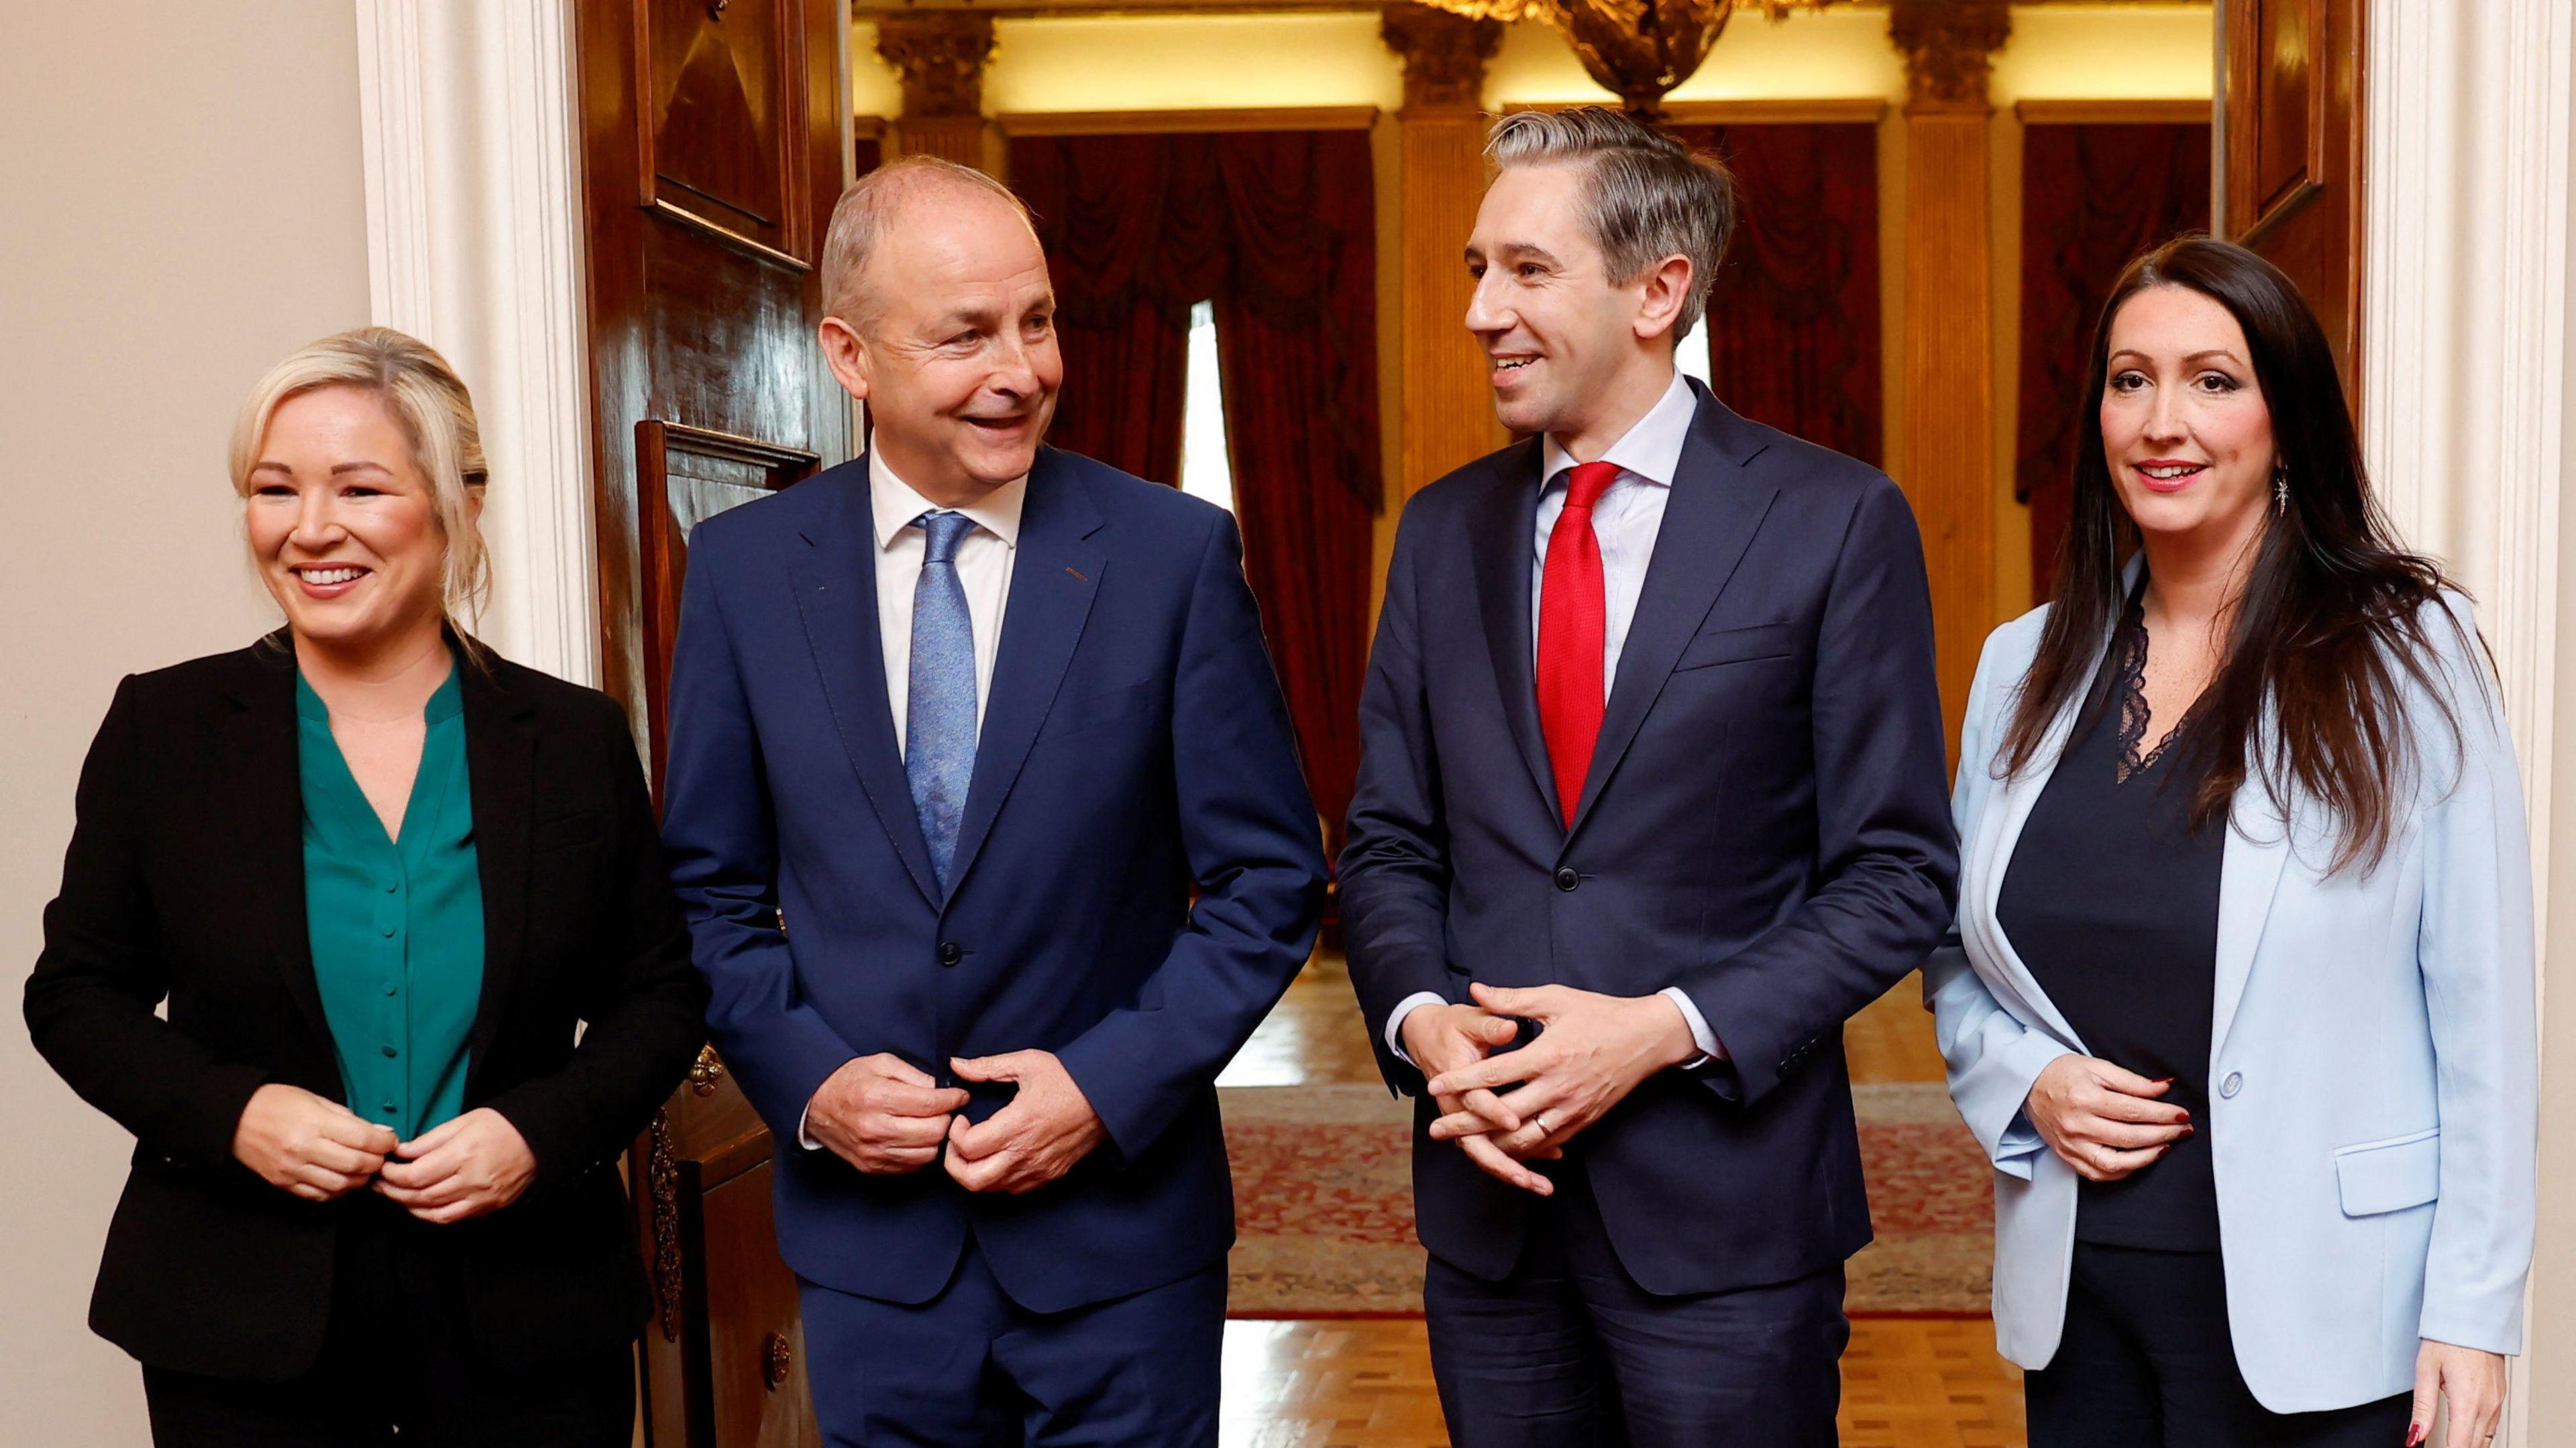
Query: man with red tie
{"points": [[1651, 799]]}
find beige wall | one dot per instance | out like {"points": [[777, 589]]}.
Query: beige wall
{"points": [[2550, 1333], [185, 204]]}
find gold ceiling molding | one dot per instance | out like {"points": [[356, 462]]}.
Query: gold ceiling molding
{"points": [[1444, 55], [873, 11], [940, 57], [1190, 122], [1949, 48], [1760, 111], [2112, 112], [1638, 50]]}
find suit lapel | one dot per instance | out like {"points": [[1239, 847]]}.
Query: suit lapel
{"points": [[500, 769], [1709, 520], [2249, 878], [1055, 574], [1502, 535], [835, 582], [260, 787], [1986, 859]]}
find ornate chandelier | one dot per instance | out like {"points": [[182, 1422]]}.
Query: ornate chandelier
{"points": [[1637, 49]]}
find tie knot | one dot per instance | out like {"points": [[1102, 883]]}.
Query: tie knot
{"points": [[1585, 484], [942, 530]]}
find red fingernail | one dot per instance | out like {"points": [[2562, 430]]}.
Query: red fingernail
{"points": [[2414, 1435]]}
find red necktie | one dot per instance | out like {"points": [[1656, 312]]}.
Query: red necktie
{"points": [[1571, 611]]}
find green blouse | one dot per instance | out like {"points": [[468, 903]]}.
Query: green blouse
{"points": [[396, 926]]}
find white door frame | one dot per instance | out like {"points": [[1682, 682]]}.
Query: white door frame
{"points": [[2465, 339], [469, 114]]}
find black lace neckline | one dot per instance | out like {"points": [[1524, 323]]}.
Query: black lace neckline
{"points": [[2129, 683]]}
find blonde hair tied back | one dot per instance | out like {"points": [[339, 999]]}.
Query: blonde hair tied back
{"points": [[429, 402]]}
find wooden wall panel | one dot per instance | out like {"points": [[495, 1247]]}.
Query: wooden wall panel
{"points": [[1447, 415], [714, 138], [1948, 453], [2292, 142], [715, 145], [1945, 452]]}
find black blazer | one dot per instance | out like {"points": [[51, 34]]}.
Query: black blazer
{"points": [[185, 882], [1765, 825]]}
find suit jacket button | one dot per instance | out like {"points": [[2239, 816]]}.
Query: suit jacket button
{"points": [[1566, 879], [2234, 1083], [949, 953]]}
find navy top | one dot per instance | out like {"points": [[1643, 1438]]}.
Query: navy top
{"points": [[2111, 900]]}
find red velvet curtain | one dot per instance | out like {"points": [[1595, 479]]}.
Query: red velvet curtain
{"points": [[1279, 230], [1122, 314], [1793, 322], [2093, 198]]}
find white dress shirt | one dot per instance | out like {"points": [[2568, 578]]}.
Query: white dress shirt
{"points": [[984, 558], [1625, 522]]}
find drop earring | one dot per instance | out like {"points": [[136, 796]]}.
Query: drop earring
{"points": [[2280, 488]]}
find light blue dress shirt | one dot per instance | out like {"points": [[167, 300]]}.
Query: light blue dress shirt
{"points": [[1625, 523]]}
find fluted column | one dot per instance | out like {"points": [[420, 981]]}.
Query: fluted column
{"points": [[940, 56], [1448, 408], [1944, 457]]}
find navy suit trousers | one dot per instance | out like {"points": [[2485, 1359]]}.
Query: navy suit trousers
{"points": [[1569, 1352], [972, 1368]]}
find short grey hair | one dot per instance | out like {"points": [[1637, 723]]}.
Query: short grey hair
{"points": [[1650, 197], [867, 205]]}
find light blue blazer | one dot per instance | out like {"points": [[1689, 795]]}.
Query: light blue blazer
{"points": [[2372, 1082]]}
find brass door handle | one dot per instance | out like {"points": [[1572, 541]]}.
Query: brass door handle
{"points": [[776, 1358], [706, 1071]]}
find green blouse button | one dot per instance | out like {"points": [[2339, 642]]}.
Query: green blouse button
{"points": [[395, 923]]}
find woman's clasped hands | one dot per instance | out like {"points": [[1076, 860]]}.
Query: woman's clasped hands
{"points": [[321, 1150], [2101, 1120]]}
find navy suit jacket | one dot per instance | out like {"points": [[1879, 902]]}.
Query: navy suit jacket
{"points": [[1134, 746], [1764, 826]]}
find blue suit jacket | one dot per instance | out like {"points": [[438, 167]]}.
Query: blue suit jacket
{"points": [[1763, 826], [1134, 745], [2372, 1055]]}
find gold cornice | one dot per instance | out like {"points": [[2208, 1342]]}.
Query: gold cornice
{"points": [[1166, 122], [871, 11], [2112, 112], [1756, 111]]}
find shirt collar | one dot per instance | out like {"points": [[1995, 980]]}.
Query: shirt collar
{"points": [[894, 505], [1651, 449]]}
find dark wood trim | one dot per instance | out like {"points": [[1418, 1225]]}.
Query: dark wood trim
{"points": [[1194, 122], [2115, 112]]}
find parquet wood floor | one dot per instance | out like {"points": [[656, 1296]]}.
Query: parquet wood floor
{"points": [[1907, 1382], [1312, 1037]]}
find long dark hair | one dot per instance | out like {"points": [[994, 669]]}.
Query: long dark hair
{"points": [[2330, 625]]}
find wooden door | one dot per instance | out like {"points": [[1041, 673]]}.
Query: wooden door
{"points": [[713, 146], [2291, 145]]}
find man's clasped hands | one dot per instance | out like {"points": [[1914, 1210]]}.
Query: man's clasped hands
{"points": [[886, 1116], [1507, 1107]]}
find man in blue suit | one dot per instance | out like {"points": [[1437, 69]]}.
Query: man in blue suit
{"points": [[1650, 802], [956, 728]]}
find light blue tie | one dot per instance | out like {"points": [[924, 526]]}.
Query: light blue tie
{"points": [[939, 705]]}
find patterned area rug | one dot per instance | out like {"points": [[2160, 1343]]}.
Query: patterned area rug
{"points": [[1324, 1204]]}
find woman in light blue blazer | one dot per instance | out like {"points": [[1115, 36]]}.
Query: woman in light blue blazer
{"points": [[2241, 1002]]}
